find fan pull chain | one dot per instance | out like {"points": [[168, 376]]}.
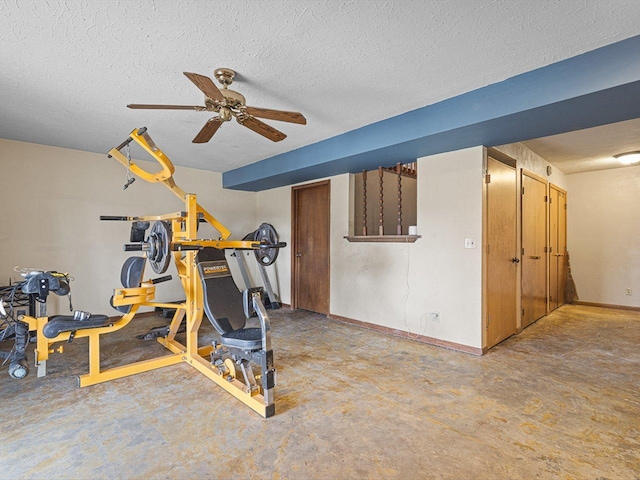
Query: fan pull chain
{"points": [[128, 179]]}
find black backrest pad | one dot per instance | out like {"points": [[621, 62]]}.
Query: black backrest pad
{"points": [[132, 272], [222, 299]]}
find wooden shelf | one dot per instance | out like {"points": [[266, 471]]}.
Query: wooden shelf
{"points": [[383, 238]]}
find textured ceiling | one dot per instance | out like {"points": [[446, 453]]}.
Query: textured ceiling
{"points": [[69, 68], [589, 149]]}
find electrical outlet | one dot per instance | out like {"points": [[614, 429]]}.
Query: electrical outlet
{"points": [[627, 291]]}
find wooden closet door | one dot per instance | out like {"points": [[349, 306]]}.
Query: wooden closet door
{"points": [[557, 246], [562, 246], [553, 249], [534, 239], [501, 255]]}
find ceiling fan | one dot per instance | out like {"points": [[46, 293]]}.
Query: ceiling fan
{"points": [[229, 103]]}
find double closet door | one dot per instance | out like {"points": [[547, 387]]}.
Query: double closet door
{"points": [[544, 247]]}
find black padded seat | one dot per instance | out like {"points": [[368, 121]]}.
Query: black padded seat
{"points": [[66, 323], [246, 338]]}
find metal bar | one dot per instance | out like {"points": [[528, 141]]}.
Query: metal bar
{"points": [[399, 174], [131, 369], [235, 387], [364, 203], [381, 220], [267, 284], [242, 265]]}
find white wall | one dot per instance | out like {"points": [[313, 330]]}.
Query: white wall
{"points": [[53, 197], [603, 234], [397, 284]]}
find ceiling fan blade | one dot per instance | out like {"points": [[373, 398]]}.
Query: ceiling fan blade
{"points": [[165, 107], [261, 128], [208, 130], [206, 85], [279, 115]]}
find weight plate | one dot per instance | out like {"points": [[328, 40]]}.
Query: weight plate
{"points": [[266, 235], [159, 241]]}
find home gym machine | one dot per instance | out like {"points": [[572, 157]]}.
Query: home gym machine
{"points": [[241, 361]]}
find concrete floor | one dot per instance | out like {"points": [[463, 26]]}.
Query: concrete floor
{"points": [[561, 400]]}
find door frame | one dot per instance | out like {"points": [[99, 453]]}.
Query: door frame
{"points": [[294, 238], [510, 162]]}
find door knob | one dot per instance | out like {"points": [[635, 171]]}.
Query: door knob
{"points": [[515, 260]]}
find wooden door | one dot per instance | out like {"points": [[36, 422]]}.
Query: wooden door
{"points": [[553, 249], [562, 247], [310, 264], [557, 246], [501, 254], [534, 239]]}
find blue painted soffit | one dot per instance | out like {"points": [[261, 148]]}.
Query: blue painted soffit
{"points": [[596, 88]]}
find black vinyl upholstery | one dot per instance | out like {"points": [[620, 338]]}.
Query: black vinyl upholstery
{"points": [[132, 272], [130, 277], [249, 338], [67, 323], [223, 301]]}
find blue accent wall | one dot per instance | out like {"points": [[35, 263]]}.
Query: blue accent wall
{"points": [[596, 88]]}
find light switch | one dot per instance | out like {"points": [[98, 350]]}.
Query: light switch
{"points": [[469, 243]]}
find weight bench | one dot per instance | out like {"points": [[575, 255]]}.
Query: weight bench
{"points": [[130, 276], [228, 310], [40, 285]]}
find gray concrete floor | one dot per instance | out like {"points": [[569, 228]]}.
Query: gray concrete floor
{"points": [[561, 400]]}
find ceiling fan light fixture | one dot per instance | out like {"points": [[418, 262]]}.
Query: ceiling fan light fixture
{"points": [[628, 158]]}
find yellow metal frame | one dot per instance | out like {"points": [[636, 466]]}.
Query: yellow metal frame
{"points": [[184, 234]]}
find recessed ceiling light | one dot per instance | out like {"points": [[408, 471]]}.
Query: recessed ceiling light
{"points": [[628, 158]]}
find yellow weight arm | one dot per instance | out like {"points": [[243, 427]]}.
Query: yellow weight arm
{"points": [[146, 143]]}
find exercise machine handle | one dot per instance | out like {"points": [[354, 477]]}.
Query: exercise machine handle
{"points": [[141, 131], [114, 217], [166, 278], [272, 245], [134, 247]]}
